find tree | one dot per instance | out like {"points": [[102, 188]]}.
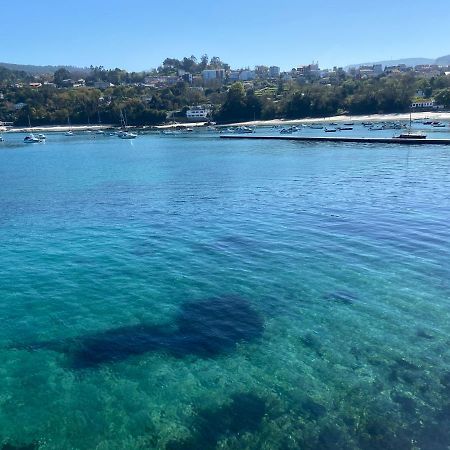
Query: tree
{"points": [[239, 105], [442, 97], [60, 75], [203, 62]]}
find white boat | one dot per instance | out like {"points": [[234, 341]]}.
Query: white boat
{"points": [[69, 133], [316, 126], [99, 132], [31, 139], [330, 130], [1, 139], [127, 135], [243, 130], [42, 137], [124, 134], [289, 130]]}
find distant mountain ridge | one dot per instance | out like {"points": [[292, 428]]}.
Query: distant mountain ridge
{"points": [[41, 70], [443, 60], [410, 62]]}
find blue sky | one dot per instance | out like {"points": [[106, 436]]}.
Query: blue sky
{"points": [[138, 34]]}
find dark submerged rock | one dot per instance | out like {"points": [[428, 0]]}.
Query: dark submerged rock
{"points": [[213, 326], [244, 413], [407, 404], [332, 438], [32, 446], [423, 334], [205, 328], [311, 341], [313, 410]]}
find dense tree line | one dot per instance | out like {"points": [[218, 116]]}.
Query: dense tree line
{"points": [[8, 76], [386, 94], [49, 105]]}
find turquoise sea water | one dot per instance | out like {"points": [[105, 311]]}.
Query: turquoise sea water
{"points": [[187, 292]]}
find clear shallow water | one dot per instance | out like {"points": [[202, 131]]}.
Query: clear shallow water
{"points": [[188, 292]]}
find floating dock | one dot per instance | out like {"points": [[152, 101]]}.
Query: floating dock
{"points": [[342, 139]]}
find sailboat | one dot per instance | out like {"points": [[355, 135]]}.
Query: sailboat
{"points": [[124, 134], [410, 134], [31, 138], [69, 132]]}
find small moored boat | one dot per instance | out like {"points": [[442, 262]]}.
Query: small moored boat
{"points": [[243, 130], [127, 135], [31, 139], [410, 135]]}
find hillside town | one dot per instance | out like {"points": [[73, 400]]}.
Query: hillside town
{"points": [[197, 90]]}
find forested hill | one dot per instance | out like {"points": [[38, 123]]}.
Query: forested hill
{"points": [[40, 70], [410, 62]]}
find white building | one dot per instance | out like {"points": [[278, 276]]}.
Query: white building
{"points": [[425, 103], [234, 75], [198, 113], [213, 74], [247, 75], [274, 72]]}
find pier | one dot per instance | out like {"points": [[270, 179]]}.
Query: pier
{"points": [[342, 139]]}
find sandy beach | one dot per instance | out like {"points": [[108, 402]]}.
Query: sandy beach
{"points": [[348, 118], [439, 116], [181, 125], [75, 128], [58, 128]]}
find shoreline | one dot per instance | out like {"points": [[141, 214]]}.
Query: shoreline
{"points": [[439, 116], [58, 128], [348, 118], [64, 128]]}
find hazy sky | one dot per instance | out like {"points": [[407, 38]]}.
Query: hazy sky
{"points": [[139, 34]]}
